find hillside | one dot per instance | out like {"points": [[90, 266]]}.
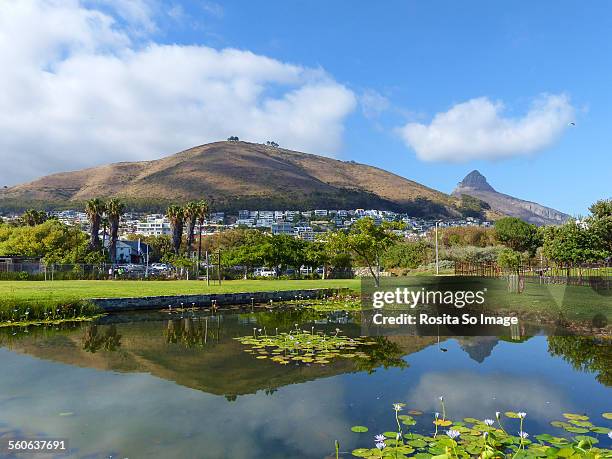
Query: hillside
{"points": [[475, 184], [236, 175]]}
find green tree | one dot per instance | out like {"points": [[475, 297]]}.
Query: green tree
{"points": [[407, 255], [249, 254], [52, 241], [510, 259], [94, 210], [114, 211], [517, 235], [315, 255], [600, 222], [601, 209], [573, 243], [365, 241], [33, 217], [283, 250], [175, 215]]}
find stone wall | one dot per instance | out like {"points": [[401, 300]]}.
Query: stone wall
{"points": [[220, 299]]}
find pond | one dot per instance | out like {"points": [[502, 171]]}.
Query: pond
{"points": [[158, 385]]}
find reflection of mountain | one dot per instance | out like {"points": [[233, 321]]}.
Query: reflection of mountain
{"points": [[478, 347], [193, 354]]}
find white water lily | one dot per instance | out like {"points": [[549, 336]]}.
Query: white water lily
{"points": [[489, 422], [453, 433]]}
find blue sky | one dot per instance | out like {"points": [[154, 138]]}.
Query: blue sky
{"points": [[504, 80]]}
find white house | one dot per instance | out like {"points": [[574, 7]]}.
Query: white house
{"points": [[130, 251]]}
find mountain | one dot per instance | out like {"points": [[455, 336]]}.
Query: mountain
{"points": [[235, 175], [475, 184]]}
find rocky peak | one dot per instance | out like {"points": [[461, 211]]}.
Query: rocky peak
{"points": [[476, 181]]}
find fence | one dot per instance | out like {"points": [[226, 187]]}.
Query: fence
{"points": [[41, 271], [545, 272], [212, 271]]}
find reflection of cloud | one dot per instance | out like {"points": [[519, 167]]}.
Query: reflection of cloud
{"points": [[481, 395], [137, 415]]}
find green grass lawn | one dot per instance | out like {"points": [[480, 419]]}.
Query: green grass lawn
{"points": [[70, 290]]}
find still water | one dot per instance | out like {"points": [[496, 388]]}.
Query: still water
{"points": [[158, 385]]}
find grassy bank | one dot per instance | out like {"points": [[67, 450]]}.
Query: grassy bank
{"points": [[24, 302], [72, 290]]}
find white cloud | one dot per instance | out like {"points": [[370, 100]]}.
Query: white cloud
{"points": [[213, 8], [84, 90], [373, 103], [477, 129]]}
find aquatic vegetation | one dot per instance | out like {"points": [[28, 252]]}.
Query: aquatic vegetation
{"points": [[304, 346], [47, 312], [481, 439], [330, 303]]}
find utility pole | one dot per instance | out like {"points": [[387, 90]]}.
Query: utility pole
{"points": [[437, 258]]}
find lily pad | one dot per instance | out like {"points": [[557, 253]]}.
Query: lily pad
{"points": [[579, 430], [607, 415], [442, 422], [359, 429], [575, 417]]}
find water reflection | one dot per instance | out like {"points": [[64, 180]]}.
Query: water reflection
{"points": [[171, 386], [108, 339], [587, 354]]}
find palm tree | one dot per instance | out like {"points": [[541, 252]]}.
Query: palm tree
{"points": [[203, 209], [94, 210], [190, 212], [114, 210], [33, 217], [175, 215]]}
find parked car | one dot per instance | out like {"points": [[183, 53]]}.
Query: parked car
{"points": [[160, 267], [264, 272]]}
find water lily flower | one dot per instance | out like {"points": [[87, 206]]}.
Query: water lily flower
{"points": [[441, 398], [397, 406], [379, 438], [521, 415], [437, 415], [489, 422], [485, 434], [453, 433], [497, 414], [381, 444], [610, 434], [523, 434]]}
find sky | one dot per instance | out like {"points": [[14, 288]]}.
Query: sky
{"points": [[429, 90]]}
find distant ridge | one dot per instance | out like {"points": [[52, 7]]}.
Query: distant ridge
{"points": [[476, 185], [236, 175]]}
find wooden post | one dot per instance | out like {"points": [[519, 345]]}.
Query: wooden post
{"points": [[207, 269], [219, 267]]}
